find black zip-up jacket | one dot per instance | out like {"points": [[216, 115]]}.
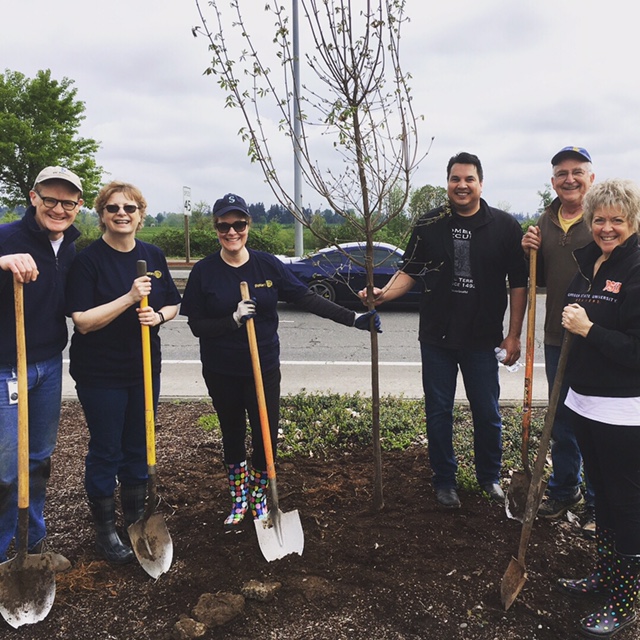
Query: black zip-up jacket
{"points": [[607, 362], [45, 322], [496, 254]]}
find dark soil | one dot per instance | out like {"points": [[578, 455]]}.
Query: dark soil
{"points": [[409, 572]]}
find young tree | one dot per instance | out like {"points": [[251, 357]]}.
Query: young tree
{"points": [[546, 198], [355, 102], [39, 120], [425, 199]]}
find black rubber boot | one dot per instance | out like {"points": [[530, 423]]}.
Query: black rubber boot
{"points": [[133, 500], [599, 582], [619, 612], [108, 543]]}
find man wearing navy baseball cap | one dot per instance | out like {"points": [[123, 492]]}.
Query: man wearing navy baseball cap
{"points": [[561, 230]]}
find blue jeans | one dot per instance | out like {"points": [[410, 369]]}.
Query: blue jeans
{"points": [[45, 394], [117, 443], [565, 453], [480, 374]]}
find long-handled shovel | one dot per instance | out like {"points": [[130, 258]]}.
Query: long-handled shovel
{"points": [[516, 574], [516, 501], [150, 538], [27, 581], [280, 533]]}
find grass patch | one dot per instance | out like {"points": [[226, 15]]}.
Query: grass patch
{"points": [[323, 426]]}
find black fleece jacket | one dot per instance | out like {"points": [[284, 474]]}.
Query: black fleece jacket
{"points": [[45, 322], [607, 362], [496, 256]]}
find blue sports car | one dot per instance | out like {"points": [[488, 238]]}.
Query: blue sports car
{"points": [[338, 275]]}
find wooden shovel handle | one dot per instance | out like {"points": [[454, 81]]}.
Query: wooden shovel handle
{"points": [[149, 419], [257, 377], [529, 358], [533, 497], [23, 399]]}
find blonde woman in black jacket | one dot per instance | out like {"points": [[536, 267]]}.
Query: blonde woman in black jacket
{"points": [[603, 373]]}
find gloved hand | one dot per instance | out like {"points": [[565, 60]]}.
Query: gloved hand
{"points": [[246, 309], [362, 321]]}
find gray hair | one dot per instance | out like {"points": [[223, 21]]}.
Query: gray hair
{"points": [[623, 195]]}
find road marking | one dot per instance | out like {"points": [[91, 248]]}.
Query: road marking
{"points": [[331, 363]]}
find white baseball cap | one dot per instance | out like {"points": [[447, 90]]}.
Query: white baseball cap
{"points": [[58, 173]]}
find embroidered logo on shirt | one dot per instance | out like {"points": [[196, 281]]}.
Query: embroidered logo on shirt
{"points": [[612, 287], [267, 283]]}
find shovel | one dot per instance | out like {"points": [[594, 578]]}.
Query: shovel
{"points": [[150, 538], [27, 581], [279, 534], [516, 575], [516, 501]]}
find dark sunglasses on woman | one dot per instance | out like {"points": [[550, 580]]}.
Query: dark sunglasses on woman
{"points": [[238, 226]]}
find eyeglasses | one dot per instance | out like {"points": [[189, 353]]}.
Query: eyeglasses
{"points": [[52, 203], [238, 226], [127, 208], [564, 175]]}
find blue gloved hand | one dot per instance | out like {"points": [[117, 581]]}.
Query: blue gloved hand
{"points": [[246, 309], [363, 321]]}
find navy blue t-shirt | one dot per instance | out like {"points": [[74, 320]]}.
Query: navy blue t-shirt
{"points": [[213, 291], [112, 356]]}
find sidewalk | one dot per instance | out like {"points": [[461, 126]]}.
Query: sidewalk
{"points": [[182, 380]]}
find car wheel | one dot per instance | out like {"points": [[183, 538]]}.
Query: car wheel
{"points": [[324, 289]]}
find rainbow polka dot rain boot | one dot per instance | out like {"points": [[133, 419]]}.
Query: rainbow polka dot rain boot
{"points": [[258, 486], [619, 611], [237, 475]]}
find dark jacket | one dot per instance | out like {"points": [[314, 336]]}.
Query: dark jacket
{"points": [[496, 255], [607, 362], [45, 322]]}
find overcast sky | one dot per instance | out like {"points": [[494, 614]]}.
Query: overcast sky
{"points": [[512, 81]]}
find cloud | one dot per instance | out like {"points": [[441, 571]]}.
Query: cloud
{"points": [[512, 82]]}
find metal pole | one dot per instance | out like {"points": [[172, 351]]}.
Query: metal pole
{"points": [[297, 168]]}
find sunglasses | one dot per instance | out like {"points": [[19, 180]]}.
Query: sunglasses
{"points": [[127, 208], [238, 226]]}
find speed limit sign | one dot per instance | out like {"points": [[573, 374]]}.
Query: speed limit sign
{"points": [[186, 200]]}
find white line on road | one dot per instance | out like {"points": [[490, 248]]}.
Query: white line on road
{"points": [[331, 363]]}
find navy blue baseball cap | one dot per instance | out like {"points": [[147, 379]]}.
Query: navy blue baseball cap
{"points": [[227, 204], [579, 153]]}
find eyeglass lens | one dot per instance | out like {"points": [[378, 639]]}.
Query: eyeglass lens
{"points": [[238, 226], [52, 203], [127, 208]]}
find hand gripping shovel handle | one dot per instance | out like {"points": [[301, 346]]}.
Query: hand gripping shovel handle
{"points": [[529, 358], [262, 403], [149, 418]]}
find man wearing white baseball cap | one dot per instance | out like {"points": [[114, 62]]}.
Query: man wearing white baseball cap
{"points": [[37, 250]]}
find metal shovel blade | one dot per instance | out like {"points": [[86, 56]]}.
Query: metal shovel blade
{"points": [[517, 493], [512, 582], [152, 544], [27, 589], [280, 534]]}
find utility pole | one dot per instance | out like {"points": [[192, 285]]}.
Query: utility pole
{"points": [[297, 168]]}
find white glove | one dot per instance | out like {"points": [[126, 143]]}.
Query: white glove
{"points": [[246, 309]]}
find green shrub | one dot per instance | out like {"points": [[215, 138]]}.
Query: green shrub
{"points": [[323, 426]]}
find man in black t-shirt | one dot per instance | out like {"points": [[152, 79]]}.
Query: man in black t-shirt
{"points": [[463, 253]]}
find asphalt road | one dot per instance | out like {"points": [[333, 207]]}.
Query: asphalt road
{"points": [[320, 356]]}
